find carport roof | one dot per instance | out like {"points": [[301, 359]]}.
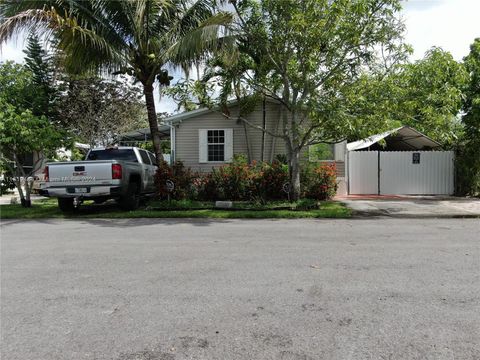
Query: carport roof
{"points": [[144, 134], [408, 136]]}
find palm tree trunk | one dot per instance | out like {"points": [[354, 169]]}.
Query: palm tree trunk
{"points": [[152, 121]]}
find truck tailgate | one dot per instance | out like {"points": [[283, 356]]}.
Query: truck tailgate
{"points": [[80, 171]]}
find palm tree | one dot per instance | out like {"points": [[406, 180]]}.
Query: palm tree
{"points": [[141, 38]]}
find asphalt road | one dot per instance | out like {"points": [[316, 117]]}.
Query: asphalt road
{"points": [[199, 289]]}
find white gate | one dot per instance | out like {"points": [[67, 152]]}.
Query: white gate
{"points": [[363, 172], [401, 172]]}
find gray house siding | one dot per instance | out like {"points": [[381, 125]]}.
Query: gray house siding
{"points": [[187, 135]]}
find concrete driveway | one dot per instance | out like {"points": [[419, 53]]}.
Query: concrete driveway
{"points": [[413, 207], [287, 290]]}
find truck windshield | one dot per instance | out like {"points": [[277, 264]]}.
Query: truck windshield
{"points": [[113, 154]]}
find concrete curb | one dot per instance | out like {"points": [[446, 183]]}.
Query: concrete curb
{"points": [[356, 214]]}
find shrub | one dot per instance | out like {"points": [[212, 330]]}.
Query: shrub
{"points": [[205, 187], [240, 181], [320, 181], [182, 178], [268, 180], [233, 180]]}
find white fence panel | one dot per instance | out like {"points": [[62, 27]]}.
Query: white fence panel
{"points": [[363, 172], [430, 173]]}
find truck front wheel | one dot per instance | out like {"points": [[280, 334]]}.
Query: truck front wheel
{"points": [[131, 199], [66, 204]]}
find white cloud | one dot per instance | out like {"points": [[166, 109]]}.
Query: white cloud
{"points": [[449, 24]]}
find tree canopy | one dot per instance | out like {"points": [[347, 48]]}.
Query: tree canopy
{"points": [[307, 55], [469, 152], [426, 94], [141, 38], [21, 131], [97, 110]]}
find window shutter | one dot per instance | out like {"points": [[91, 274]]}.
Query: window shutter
{"points": [[202, 146], [228, 145]]}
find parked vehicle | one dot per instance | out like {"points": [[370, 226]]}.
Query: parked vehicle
{"points": [[122, 173]]}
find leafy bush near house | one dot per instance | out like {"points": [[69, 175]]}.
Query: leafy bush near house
{"points": [[319, 181], [268, 181], [183, 179], [205, 187], [234, 181], [245, 182], [241, 181]]}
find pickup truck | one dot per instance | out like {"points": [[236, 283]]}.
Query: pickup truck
{"points": [[121, 173]]}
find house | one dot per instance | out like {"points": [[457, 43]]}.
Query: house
{"points": [[207, 138], [397, 162]]}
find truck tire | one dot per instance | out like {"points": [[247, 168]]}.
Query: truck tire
{"points": [[66, 205], [100, 200], [131, 199]]}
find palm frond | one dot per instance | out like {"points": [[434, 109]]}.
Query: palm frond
{"points": [[26, 20], [207, 36]]}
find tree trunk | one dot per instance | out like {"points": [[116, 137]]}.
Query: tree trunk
{"points": [[28, 192], [18, 180], [293, 153], [152, 121], [294, 161]]}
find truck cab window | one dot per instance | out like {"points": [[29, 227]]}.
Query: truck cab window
{"points": [[113, 154], [144, 156]]}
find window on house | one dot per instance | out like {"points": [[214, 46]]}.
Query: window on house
{"points": [[216, 145]]}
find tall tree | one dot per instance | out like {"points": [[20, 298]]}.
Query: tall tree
{"points": [[97, 110], [21, 132], [39, 62], [141, 38], [470, 151], [431, 95], [426, 94], [307, 55]]}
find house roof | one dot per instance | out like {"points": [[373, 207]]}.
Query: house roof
{"points": [[190, 114], [408, 136], [144, 134]]}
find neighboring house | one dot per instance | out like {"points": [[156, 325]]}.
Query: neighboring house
{"points": [[33, 163]]}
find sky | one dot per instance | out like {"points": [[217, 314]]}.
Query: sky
{"points": [[449, 24]]}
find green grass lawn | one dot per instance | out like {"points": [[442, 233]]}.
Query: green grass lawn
{"points": [[276, 210]]}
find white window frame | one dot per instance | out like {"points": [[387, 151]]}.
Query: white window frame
{"points": [[227, 143], [216, 143]]}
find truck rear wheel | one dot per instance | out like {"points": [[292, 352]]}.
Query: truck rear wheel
{"points": [[66, 205], [131, 199]]}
